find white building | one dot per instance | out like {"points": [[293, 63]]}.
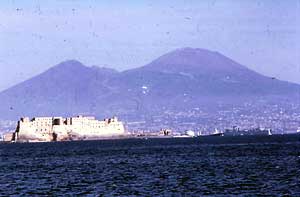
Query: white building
{"points": [[59, 128]]}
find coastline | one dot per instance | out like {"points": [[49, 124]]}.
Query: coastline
{"points": [[248, 139]]}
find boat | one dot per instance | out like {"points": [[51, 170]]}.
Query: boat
{"points": [[214, 134], [235, 131]]}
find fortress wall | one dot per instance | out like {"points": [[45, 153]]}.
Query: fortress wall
{"points": [[44, 128]]}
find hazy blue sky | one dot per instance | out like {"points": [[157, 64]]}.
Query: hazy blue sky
{"points": [[35, 35]]}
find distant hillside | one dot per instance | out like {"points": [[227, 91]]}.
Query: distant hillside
{"points": [[201, 72], [67, 88], [183, 78]]}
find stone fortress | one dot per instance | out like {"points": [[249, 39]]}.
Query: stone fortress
{"points": [[62, 129]]}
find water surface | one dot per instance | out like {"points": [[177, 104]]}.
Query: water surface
{"points": [[221, 166]]}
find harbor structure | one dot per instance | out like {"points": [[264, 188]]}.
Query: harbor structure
{"points": [[61, 129]]}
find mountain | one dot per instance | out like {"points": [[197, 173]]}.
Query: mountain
{"points": [[67, 88], [202, 73], [182, 79]]}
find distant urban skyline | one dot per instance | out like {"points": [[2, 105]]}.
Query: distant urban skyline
{"points": [[34, 36]]}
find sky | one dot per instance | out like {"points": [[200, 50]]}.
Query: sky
{"points": [[36, 35]]}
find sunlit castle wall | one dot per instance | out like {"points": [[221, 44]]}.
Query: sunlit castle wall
{"points": [[44, 128], [90, 127], [36, 129]]}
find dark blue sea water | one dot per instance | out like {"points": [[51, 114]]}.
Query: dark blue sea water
{"points": [[216, 166]]}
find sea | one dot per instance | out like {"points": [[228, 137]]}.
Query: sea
{"points": [[204, 166]]}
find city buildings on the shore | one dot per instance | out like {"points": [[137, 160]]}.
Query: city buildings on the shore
{"points": [[60, 129], [281, 118]]}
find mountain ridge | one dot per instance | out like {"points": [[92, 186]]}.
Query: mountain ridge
{"points": [[181, 78]]}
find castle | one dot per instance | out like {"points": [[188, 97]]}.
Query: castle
{"points": [[61, 129]]}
